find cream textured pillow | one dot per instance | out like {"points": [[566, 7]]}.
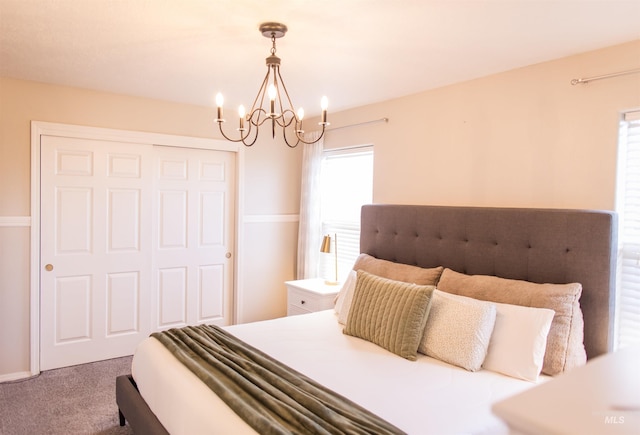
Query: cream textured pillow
{"points": [[391, 314], [518, 341], [398, 271], [458, 330], [565, 347]]}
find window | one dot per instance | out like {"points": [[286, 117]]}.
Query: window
{"points": [[628, 207], [346, 185]]}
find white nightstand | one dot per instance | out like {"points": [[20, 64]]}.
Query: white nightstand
{"points": [[309, 295]]}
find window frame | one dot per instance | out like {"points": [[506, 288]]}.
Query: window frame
{"points": [[348, 232], [627, 305]]}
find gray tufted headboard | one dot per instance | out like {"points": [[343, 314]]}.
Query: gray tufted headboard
{"points": [[537, 245]]}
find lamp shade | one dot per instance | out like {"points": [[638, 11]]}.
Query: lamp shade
{"points": [[326, 244]]}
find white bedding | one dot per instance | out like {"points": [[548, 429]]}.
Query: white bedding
{"points": [[425, 396]]}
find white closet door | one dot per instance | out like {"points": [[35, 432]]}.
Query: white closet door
{"points": [[134, 238], [96, 251], [193, 237]]}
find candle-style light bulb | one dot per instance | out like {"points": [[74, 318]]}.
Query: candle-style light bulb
{"points": [[300, 118], [272, 99], [324, 103], [272, 92], [241, 113], [219, 103]]}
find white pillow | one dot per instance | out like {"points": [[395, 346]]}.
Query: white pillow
{"points": [[345, 296], [458, 330], [519, 341]]}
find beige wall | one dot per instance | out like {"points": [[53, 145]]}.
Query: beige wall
{"points": [[524, 138], [521, 138], [271, 197]]}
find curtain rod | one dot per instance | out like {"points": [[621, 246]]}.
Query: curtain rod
{"points": [[606, 76], [359, 123]]}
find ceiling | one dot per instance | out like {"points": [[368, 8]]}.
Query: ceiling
{"points": [[354, 51]]}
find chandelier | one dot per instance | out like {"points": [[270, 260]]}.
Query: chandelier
{"points": [[279, 109]]}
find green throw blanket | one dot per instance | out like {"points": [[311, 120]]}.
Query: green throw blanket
{"points": [[269, 396]]}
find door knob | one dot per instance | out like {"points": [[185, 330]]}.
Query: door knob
{"points": [[48, 267], [228, 255]]}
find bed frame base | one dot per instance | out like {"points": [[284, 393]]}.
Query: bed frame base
{"points": [[133, 408]]}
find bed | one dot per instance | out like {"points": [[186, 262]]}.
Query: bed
{"points": [[428, 395]]}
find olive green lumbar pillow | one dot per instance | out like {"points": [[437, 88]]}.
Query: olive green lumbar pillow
{"points": [[391, 314]]}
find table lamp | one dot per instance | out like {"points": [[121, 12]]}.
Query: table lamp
{"points": [[326, 248]]}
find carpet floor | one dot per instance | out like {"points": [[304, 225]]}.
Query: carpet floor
{"points": [[71, 400]]}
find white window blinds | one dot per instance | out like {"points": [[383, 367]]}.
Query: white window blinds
{"points": [[346, 184], [628, 205]]}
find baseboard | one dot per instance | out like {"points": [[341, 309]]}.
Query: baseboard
{"points": [[15, 376]]}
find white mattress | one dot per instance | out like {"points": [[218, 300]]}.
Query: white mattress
{"points": [[425, 396]]}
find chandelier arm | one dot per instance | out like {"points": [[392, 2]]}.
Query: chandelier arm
{"points": [[286, 123], [277, 86], [227, 137], [243, 138], [253, 141], [286, 140], [284, 88], [313, 141], [246, 136], [256, 109], [259, 121], [281, 120], [261, 91], [292, 146], [300, 138]]}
